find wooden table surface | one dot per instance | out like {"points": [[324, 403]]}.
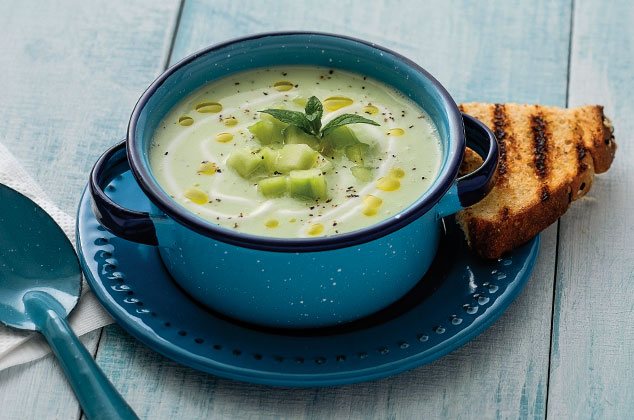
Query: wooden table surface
{"points": [[72, 71]]}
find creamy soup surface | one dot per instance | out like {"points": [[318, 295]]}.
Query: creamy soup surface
{"points": [[192, 145]]}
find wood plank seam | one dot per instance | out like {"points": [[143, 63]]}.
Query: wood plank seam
{"points": [[163, 67], [177, 21], [557, 243]]}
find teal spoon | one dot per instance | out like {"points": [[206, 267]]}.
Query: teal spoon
{"points": [[40, 280]]}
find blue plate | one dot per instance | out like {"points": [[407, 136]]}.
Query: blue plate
{"points": [[458, 298]]}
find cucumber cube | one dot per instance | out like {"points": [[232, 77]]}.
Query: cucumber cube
{"points": [[295, 156], [362, 173], [270, 159], [323, 164], [267, 132], [309, 184], [273, 187], [295, 135], [245, 161], [341, 137], [357, 152]]}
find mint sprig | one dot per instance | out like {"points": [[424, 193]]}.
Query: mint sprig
{"points": [[295, 118], [310, 120], [314, 111], [345, 119]]}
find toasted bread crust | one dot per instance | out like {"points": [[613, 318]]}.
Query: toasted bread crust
{"points": [[598, 135], [490, 239], [549, 158]]}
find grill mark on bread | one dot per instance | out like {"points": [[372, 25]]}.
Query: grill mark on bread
{"points": [[598, 136], [461, 108], [545, 194], [500, 124], [581, 153], [540, 145], [505, 214]]}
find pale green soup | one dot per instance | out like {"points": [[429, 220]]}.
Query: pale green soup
{"points": [[192, 144]]}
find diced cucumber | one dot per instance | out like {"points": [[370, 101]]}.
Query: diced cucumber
{"points": [[341, 137], [267, 132], [357, 152], [290, 157], [273, 187], [362, 173], [270, 159], [295, 135], [323, 164], [309, 184], [245, 161], [326, 148], [295, 156]]}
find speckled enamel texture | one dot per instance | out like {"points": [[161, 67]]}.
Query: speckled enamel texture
{"points": [[295, 282]]}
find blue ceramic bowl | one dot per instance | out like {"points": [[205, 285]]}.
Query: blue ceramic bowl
{"points": [[298, 282]]}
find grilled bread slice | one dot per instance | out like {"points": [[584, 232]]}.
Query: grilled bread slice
{"points": [[548, 158]]}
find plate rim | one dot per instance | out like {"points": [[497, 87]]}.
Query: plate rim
{"points": [[285, 379]]}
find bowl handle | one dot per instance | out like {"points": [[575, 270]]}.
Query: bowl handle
{"points": [[473, 187], [136, 226]]}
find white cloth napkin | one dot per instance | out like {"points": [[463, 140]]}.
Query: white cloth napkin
{"points": [[17, 347]]}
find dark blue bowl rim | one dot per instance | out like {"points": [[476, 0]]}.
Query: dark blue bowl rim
{"points": [[178, 213]]}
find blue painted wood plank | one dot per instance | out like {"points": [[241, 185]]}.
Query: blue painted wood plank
{"points": [[494, 52], [71, 76], [489, 52], [72, 72], [592, 368]]}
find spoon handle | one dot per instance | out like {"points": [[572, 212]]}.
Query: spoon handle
{"points": [[97, 396]]}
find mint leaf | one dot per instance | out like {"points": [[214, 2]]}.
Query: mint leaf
{"points": [[291, 117], [345, 119], [314, 111], [310, 122]]}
